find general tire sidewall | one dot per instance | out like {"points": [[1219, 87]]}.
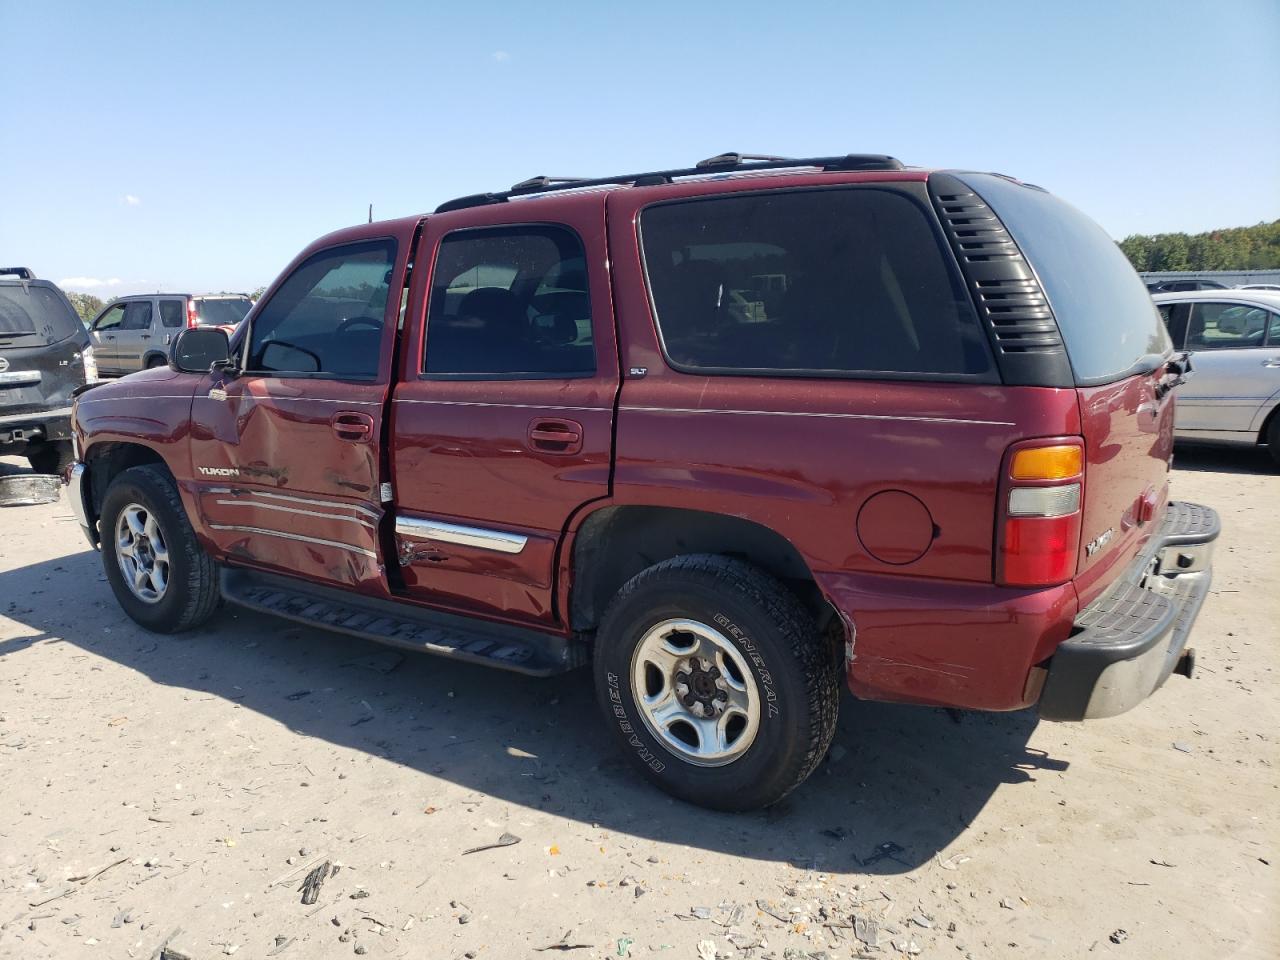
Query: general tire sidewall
{"points": [[780, 741], [178, 537]]}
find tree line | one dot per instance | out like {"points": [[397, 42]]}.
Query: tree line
{"points": [[1233, 248]]}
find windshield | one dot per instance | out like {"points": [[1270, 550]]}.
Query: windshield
{"points": [[1108, 321], [222, 312], [32, 314]]}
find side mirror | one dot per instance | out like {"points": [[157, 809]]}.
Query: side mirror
{"points": [[197, 349]]}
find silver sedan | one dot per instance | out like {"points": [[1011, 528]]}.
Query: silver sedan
{"points": [[1233, 394]]}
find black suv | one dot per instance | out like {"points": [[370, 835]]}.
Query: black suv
{"points": [[45, 354]]}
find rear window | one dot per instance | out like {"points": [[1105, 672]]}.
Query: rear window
{"points": [[835, 282], [222, 312], [1107, 318], [33, 314]]}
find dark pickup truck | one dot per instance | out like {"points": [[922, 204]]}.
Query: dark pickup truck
{"points": [[737, 435]]}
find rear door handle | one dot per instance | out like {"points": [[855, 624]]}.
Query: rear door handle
{"points": [[352, 426], [553, 435]]}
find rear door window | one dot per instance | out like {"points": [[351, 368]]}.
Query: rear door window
{"points": [[1226, 326], [834, 282], [510, 303], [1108, 321]]}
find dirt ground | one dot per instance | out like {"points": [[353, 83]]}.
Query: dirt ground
{"points": [[177, 790]]}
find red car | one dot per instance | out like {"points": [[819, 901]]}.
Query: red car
{"points": [[736, 434]]}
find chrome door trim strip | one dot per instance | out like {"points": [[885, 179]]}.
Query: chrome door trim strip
{"points": [[517, 406], [833, 416], [236, 528], [331, 504], [497, 540], [302, 513]]}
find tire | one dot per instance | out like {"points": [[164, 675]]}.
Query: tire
{"points": [[50, 456], [190, 592], [154, 362], [1273, 438], [794, 673]]}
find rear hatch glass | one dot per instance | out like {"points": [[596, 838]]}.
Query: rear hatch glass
{"points": [[221, 311], [1118, 348], [33, 314]]}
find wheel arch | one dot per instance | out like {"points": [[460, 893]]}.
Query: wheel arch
{"points": [[614, 543], [106, 460]]}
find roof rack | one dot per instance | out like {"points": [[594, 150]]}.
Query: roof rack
{"points": [[22, 273], [723, 162]]}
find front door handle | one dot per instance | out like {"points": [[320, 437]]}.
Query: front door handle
{"points": [[553, 435], [146, 336], [352, 426]]}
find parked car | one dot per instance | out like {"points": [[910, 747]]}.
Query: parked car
{"points": [[739, 434], [134, 332], [1166, 286], [1259, 286], [1234, 340], [45, 354]]}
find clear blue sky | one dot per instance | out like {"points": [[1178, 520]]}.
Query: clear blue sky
{"points": [[201, 145]]}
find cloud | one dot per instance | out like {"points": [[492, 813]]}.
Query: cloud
{"points": [[131, 200], [501, 56], [89, 282]]}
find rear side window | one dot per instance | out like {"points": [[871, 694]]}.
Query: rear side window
{"points": [[172, 313], [510, 303], [839, 282], [1108, 321]]}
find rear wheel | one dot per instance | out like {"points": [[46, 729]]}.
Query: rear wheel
{"points": [[157, 569], [50, 456], [154, 362], [714, 679], [1273, 437]]}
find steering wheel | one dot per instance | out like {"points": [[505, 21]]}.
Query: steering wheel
{"points": [[350, 322]]}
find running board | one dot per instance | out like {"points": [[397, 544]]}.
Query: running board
{"points": [[402, 625]]}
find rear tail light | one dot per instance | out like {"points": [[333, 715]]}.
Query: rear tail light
{"points": [[192, 319], [1038, 539], [90, 365]]}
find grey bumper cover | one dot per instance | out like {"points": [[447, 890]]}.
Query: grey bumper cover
{"points": [[75, 493], [1128, 641]]}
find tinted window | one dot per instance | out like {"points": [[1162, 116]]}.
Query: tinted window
{"points": [[326, 318], [510, 302], [173, 313], [32, 314], [819, 281], [1226, 326], [223, 313], [137, 315], [111, 319], [1106, 316]]}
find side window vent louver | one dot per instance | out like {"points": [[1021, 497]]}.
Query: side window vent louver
{"points": [[1005, 289]]}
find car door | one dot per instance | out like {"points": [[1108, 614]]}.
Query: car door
{"points": [[105, 330], [170, 321], [285, 454], [133, 335], [1229, 358], [502, 423]]}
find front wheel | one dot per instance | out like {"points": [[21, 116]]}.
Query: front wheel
{"points": [[716, 682], [157, 569]]}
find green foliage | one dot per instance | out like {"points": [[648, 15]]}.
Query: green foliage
{"points": [[86, 304], [1234, 248], [257, 294]]}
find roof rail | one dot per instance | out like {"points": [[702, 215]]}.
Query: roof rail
{"points": [[22, 273], [720, 163]]}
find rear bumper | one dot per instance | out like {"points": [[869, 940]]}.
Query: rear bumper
{"points": [[36, 425], [1126, 643]]}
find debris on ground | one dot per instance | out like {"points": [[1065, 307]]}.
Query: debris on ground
{"points": [[506, 840], [314, 881], [1119, 936]]}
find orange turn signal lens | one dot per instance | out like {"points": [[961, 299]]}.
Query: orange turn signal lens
{"points": [[1047, 463]]}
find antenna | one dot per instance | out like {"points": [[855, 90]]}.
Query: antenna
{"points": [[371, 213]]}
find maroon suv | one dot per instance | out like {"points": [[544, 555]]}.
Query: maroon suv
{"points": [[735, 434]]}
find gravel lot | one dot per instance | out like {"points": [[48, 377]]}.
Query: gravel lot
{"points": [[156, 784]]}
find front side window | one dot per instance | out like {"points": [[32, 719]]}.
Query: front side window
{"points": [[1226, 326], [111, 319], [326, 318], [817, 282], [137, 315], [172, 313], [510, 303]]}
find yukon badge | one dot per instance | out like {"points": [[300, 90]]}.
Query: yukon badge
{"points": [[220, 471], [1098, 542]]}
